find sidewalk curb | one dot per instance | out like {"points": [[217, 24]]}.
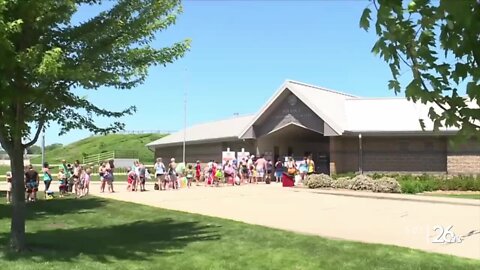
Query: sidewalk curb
{"points": [[384, 197]]}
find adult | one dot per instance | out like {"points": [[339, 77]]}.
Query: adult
{"points": [[303, 168], [160, 173], [243, 169], [110, 169], [66, 170], [278, 171], [142, 171], [198, 171], [291, 166], [76, 175], [47, 177], [172, 173], [261, 168], [310, 166], [136, 170], [229, 172], [79, 183], [31, 184], [102, 171], [268, 176]]}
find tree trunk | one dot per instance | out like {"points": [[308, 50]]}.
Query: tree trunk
{"points": [[17, 229]]}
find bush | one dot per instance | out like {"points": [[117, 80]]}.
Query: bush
{"points": [[386, 185], [318, 181], [422, 183], [362, 182], [343, 182], [406, 183], [344, 175]]}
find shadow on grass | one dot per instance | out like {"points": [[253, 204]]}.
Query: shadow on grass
{"points": [[137, 241], [55, 207]]}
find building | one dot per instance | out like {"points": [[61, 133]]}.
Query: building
{"points": [[342, 132]]}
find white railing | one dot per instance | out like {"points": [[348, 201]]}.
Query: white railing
{"points": [[97, 158]]}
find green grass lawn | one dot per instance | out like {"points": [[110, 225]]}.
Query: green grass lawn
{"points": [[475, 196], [96, 233], [106, 143]]}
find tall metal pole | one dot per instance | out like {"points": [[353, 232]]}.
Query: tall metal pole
{"points": [[360, 154], [185, 118], [43, 146]]}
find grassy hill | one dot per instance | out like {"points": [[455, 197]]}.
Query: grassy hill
{"points": [[133, 143]]}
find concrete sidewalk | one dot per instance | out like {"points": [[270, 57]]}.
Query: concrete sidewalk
{"points": [[393, 219], [372, 217], [394, 196]]}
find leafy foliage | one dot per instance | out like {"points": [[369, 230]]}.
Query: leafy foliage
{"points": [[439, 42], [45, 55]]}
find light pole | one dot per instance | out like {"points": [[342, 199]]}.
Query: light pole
{"points": [[360, 154], [43, 146], [185, 119]]}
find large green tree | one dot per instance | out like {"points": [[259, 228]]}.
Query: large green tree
{"points": [[45, 56], [438, 43]]}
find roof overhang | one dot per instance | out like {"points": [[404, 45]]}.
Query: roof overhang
{"points": [[400, 133], [213, 140]]}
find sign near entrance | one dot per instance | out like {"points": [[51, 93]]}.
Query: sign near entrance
{"points": [[243, 155], [227, 156]]}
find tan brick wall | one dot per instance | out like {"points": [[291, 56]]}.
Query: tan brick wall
{"points": [[343, 154], [463, 159], [203, 152], [391, 154]]}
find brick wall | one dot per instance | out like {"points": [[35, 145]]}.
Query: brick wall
{"points": [[202, 152], [464, 158], [391, 154]]}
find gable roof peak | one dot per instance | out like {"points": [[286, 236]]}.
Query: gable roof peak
{"points": [[288, 81]]}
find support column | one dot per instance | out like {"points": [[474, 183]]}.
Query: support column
{"points": [[333, 155]]}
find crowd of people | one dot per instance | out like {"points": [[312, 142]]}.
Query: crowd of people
{"points": [[72, 179], [235, 172], [75, 179]]}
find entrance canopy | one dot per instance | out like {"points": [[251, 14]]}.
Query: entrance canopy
{"points": [[293, 131]]}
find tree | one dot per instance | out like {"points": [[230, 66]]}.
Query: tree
{"points": [[46, 57], [439, 43]]}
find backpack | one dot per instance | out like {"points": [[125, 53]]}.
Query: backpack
{"points": [[156, 186]]}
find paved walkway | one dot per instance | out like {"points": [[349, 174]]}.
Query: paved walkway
{"points": [[374, 218], [394, 219]]}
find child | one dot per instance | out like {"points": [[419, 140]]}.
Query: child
{"points": [[131, 179], [86, 182], [62, 179], [189, 175], [218, 177], [80, 183], [9, 187]]}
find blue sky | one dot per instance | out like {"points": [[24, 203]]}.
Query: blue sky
{"points": [[242, 51]]}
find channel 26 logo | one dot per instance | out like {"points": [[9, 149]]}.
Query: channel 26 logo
{"points": [[445, 235]]}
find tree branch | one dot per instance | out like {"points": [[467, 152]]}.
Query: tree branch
{"points": [[6, 145], [37, 134]]}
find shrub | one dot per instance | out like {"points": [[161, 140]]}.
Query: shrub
{"points": [[343, 182], [422, 183], [344, 175], [318, 181], [362, 182], [386, 185]]}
